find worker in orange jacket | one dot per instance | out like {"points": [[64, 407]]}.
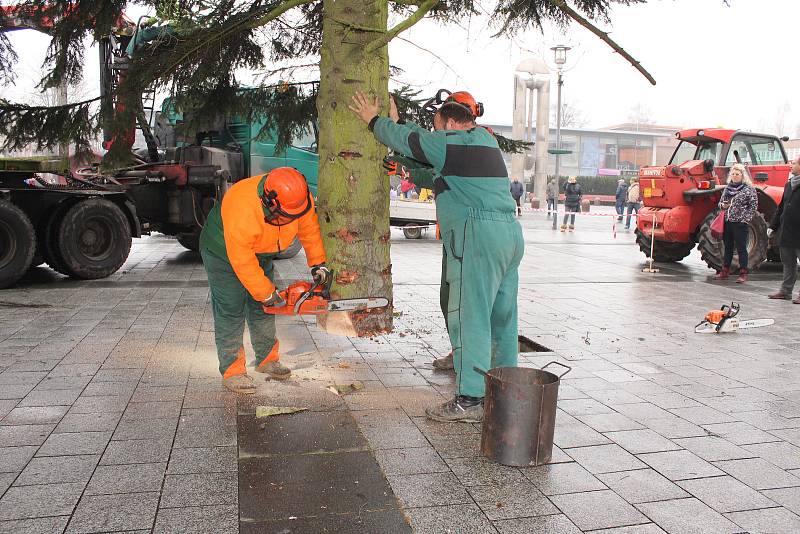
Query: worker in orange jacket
{"points": [[258, 217]]}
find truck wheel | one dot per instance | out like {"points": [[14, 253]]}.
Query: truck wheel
{"points": [[663, 251], [190, 241], [17, 243], [290, 252], [712, 250], [412, 231], [48, 239], [94, 238]]}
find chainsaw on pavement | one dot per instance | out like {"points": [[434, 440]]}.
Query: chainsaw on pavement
{"points": [[725, 320], [307, 298]]}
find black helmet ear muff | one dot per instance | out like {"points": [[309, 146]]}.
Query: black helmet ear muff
{"points": [[480, 108], [271, 205]]}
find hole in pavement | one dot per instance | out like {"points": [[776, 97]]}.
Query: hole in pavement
{"points": [[528, 345]]}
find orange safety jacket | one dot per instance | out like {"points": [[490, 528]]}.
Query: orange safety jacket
{"points": [[236, 230]]}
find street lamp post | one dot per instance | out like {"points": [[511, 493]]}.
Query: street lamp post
{"points": [[560, 56]]}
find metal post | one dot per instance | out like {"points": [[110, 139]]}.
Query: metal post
{"points": [[558, 148]]}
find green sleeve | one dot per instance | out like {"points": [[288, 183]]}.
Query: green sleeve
{"points": [[426, 147]]}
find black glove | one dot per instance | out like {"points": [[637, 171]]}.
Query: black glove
{"points": [[275, 300], [321, 274]]}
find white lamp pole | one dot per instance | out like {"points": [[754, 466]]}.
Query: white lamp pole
{"points": [[560, 56]]}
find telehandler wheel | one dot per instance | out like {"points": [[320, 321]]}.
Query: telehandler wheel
{"points": [[290, 252], [189, 241], [17, 243], [412, 231], [663, 251], [712, 250], [94, 238]]}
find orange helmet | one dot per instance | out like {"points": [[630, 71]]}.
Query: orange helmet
{"points": [[466, 99], [286, 196]]}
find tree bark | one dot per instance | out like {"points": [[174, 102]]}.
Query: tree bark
{"points": [[353, 205]]}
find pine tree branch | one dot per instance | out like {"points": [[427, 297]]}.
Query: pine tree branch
{"points": [[571, 13], [424, 7]]}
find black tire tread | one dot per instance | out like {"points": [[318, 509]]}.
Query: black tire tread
{"points": [[663, 251], [712, 250], [27, 234]]}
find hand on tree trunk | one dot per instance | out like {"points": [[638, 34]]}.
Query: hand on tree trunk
{"points": [[393, 114], [365, 109]]}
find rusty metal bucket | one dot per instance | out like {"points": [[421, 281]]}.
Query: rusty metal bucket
{"points": [[519, 414]]}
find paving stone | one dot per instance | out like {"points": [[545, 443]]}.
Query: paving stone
{"points": [[63, 382], [152, 428], [213, 435], [479, 471], [320, 432], [609, 422], [605, 458], [439, 520], [674, 427], [786, 497], [34, 415], [112, 513], [550, 524], [15, 391], [136, 451], [219, 519], [75, 444], [562, 478], [713, 448], [702, 415], [726, 494], [740, 433], [511, 500], [203, 460], [570, 432], [42, 525], [410, 461], [132, 478], [6, 405], [57, 397], [758, 473], [39, 501], [432, 489], [648, 528], [641, 441], [598, 509], [199, 489], [784, 455], [383, 521], [5, 481], [16, 458], [688, 516], [88, 422], [58, 469], [99, 404], [152, 410], [679, 465], [644, 485], [773, 521]]}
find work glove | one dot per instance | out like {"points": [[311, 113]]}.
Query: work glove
{"points": [[275, 300], [395, 169], [321, 274]]}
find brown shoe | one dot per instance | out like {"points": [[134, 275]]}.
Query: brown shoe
{"points": [[240, 384], [445, 363], [275, 369], [797, 300], [780, 296], [723, 274], [742, 276]]}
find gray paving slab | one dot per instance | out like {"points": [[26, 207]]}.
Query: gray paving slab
{"points": [[688, 516], [112, 513], [758, 474], [594, 510], [605, 458], [726, 494], [644, 485], [772, 520], [552, 524]]}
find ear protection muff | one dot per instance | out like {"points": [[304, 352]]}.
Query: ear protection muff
{"points": [[273, 210]]}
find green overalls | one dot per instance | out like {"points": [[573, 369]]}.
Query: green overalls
{"points": [[482, 239]]}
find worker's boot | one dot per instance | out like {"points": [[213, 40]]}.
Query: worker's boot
{"points": [[240, 384], [444, 364], [780, 295], [742, 276], [571, 227], [563, 227], [275, 369], [461, 409], [723, 274]]}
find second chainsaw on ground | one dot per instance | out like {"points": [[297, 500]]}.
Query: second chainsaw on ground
{"points": [[307, 298]]}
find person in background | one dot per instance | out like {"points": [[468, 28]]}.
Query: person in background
{"points": [[552, 194], [407, 186], [634, 200], [740, 202], [572, 202], [786, 223], [517, 190], [621, 197]]}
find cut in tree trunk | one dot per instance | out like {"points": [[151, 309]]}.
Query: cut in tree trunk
{"points": [[353, 203]]}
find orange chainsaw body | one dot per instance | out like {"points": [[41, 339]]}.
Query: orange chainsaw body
{"points": [[315, 304]]}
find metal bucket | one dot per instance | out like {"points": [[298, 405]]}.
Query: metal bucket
{"points": [[519, 414]]}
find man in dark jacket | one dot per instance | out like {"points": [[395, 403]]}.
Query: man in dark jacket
{"points": [[573, 194], [786, 222], [621, 197], [517, 190]]}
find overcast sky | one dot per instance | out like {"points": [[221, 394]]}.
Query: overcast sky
{"points": [[715, 65]]}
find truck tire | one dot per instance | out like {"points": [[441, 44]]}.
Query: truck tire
{"points": [[290, 252], [189, 241], [48, 239], [412, 231], [94, 238], [663, 251], [17, 243], [712, 250]]}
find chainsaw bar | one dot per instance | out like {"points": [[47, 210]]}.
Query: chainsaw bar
{"points": [[366, 303], [731, 325]]}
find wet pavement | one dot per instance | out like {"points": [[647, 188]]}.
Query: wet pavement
{"points": [[113, 418]]}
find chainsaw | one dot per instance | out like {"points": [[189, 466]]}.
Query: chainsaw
{"points": [[307, 298], [725, 320]]}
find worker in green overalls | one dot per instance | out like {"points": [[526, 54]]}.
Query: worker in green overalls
{"points": [[482, 240]]}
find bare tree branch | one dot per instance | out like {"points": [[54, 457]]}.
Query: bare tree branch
{"points": [[424, 7]]}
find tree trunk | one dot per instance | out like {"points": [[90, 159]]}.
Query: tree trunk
{"points": [[353, 202]]}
